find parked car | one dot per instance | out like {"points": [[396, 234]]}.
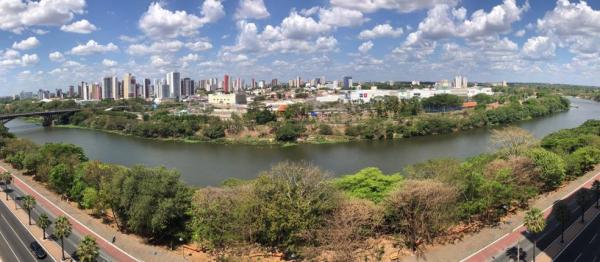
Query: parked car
{"points": [[38, 251]]}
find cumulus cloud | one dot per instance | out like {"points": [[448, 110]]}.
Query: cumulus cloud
{"points": [[443, 21], [296, 26], [199, 46], [365, 47], [29, 59], [26, 44], [109, 63], [158, 22], [56, 56], [212, 11], [402, 6], [80, 27], [539, 47], [341, 17], [383, 30], [251, 9], [18, 15], [155, 48], [92, 47]]}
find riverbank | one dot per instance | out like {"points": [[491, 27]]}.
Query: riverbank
{"points": [[244, 210], [363, 126]]}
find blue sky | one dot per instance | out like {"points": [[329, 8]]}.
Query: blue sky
{"points": [[51, 44]]}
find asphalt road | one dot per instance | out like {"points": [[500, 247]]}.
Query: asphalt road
{"points": [[14, 238], [585, 246], [70, 242], [551, 232]]}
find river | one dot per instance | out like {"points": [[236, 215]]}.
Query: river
{"points": [[210, 164]]}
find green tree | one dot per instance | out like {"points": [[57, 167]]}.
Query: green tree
{"points": [[369, 183], [582, 160], [62, 229], [89, 198], [550, 166], [563, 215], [6, 180], [583, 199], [596, 189], [88, 249], [289, 131], [292, 200], [44, 222], [535, 224], [419, 211], [61, 178], [325, 129], [28, 204]]}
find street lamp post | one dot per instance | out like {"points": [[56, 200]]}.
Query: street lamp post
{"points": [[182, 248]]}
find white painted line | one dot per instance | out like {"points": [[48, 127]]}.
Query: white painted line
{"points": [[543, 211], [20, 240], [9, 247], [71, 217], [593, 238], [576, 236], [578, 257]]}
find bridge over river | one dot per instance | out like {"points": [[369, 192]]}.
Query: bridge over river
{"points": [[47, 115]]}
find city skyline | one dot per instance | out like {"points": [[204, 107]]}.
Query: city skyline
{"points": [[52, 44]]}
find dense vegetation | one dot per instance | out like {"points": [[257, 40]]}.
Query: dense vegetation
{"points": [[383, 118], [300, 210]]}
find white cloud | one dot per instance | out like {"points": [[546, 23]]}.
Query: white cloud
{"points": [[365, 47], [402, 6], [539, 47], [56, 56], [92, 47], [212, 11], [109, 63], [17, 15], [155, 48], [342, 17], [252, 9], [384, 30], [28, 59], [190, 58], [520, 33], [158, 22], [80, 27], [442, 21], [158, 61], [199, 46], [296, 26], [26, 44]]}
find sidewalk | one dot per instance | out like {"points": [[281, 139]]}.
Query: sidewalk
{"points": [[491, 241], [52, 247], [128, 247], [571, 234]]}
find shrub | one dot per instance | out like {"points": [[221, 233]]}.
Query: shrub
{"points": [[369, 183], [582, 161], [289, 131], [551, 167], [325, 129]]}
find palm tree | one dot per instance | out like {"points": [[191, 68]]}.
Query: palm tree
{"points": [[563, 215], [28, 204], [582, 199], [596, 189], [62, 229], [535, 224], [7, 178], [87, 249], [44, 222]]}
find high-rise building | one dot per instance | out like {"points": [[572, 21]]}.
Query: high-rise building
{"points": [[186, 87], [174, 82], [71, 91], [128, 86], [107, 87], [347, 82], [460, 82], [226, 83], [114, 84], [274, 82], [147, 90]]}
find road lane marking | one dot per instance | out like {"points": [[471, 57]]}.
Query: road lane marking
{"points": [[595, 235], [9, 247], [18, 237], [519, 227], [72, 218], [578, 257], [565, 247]]}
